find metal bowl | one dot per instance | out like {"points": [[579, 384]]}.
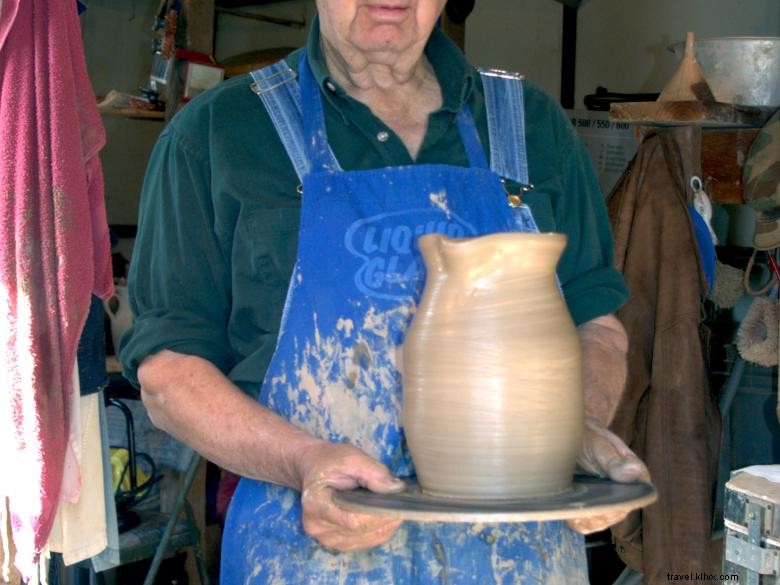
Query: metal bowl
{"points": [[739, 70]]}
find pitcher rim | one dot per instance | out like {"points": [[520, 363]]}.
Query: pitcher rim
{"points": [[469, 241]]}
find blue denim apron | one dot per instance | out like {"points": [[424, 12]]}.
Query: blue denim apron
{"points": [[357, 277]]}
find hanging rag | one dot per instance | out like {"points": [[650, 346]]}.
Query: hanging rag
{"points": [[79, 531], [54, 253]]}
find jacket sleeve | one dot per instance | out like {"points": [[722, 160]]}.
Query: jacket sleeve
{"points": [[179, 276]]}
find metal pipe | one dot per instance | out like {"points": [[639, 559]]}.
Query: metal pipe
{"points": [[730, 387], [181, 497]]}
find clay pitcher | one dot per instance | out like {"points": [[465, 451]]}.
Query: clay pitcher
{"points": [[492, 381]]}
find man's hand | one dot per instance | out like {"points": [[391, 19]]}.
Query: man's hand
{"points": [[604, 454], [326, 467], [185, 395]]}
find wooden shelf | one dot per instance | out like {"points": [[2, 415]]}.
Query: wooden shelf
{"points": [[689, 113], [136, 113]]}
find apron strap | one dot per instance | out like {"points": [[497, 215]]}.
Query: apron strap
{"points": [[276, 86], [470, 137], [506, 123], [281, 95], [316, 143]]}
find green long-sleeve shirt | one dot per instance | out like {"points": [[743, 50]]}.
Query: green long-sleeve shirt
{"points": [[220, 207]]}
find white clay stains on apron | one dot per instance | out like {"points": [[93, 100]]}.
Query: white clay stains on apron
{"points": [[440, 200], [344, 373]]}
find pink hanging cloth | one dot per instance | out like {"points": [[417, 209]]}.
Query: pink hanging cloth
{"points": [[54, 253]]}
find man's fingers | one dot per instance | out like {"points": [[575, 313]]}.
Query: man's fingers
{"points": [[338, 539], [348, 531], [354, 469], [606, 455], [339, 529], [628, 470], [595, 523], [330, 467], [385, 485]]}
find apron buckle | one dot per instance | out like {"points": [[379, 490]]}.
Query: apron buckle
{"points": [[516, 199]]}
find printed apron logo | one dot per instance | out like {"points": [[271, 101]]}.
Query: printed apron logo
{"points": [[387, 246]]}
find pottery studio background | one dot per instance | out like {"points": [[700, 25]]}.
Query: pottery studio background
{"points": [[621, 45]]}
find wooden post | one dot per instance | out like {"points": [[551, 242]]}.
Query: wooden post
{"points": [[198, 17], [568, 56]]}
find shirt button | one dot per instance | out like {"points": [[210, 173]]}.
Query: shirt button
{"points": [[382, 136], [330, 85]]}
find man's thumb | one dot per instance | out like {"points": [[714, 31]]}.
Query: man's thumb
{"points": [[384, 483]]}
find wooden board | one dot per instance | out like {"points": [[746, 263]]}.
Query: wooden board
{"points": [[761, 482], [723, 155], [136, 113], [198, 21], [116, 103], [691, 113], [246, 62], [588, 497]]}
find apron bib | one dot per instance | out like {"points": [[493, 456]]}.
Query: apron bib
{"points": [[357, 278]]}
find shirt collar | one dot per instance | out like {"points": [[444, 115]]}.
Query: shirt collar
{"points": [[456, 76]]}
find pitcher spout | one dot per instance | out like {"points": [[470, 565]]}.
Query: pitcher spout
{"points": [[431, 249], [499, 251]]}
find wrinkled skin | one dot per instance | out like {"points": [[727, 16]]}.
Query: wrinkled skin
{"points": [[328, 467]]}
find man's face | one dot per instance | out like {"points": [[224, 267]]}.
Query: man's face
{"points": [[377, 25]]}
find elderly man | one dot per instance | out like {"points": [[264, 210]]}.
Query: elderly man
{"points": [[242, 351]]}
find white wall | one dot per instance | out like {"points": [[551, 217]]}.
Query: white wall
{"points": [[621, 44], [523, 36], [117, 44], [235, 35]]}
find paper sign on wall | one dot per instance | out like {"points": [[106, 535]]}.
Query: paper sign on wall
{"points": [[611, 145]]}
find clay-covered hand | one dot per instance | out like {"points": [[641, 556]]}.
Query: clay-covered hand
{"points": [[326, 467], [604, 454]]}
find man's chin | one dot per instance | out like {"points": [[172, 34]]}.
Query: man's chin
{"points": [[385, 43]]}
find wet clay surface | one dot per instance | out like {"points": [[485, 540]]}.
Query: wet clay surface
{"points": [[492, 390]]}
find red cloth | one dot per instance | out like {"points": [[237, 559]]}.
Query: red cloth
{"points": [[228, 483], [54, 251]]}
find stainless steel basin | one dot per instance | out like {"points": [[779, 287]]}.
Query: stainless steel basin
{"points": [[739, 70]]}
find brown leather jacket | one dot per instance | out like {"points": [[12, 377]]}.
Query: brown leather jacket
{"points": [[667, 414]]}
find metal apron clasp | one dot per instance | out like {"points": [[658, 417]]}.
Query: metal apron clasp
{"points": [[516, 199]]}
